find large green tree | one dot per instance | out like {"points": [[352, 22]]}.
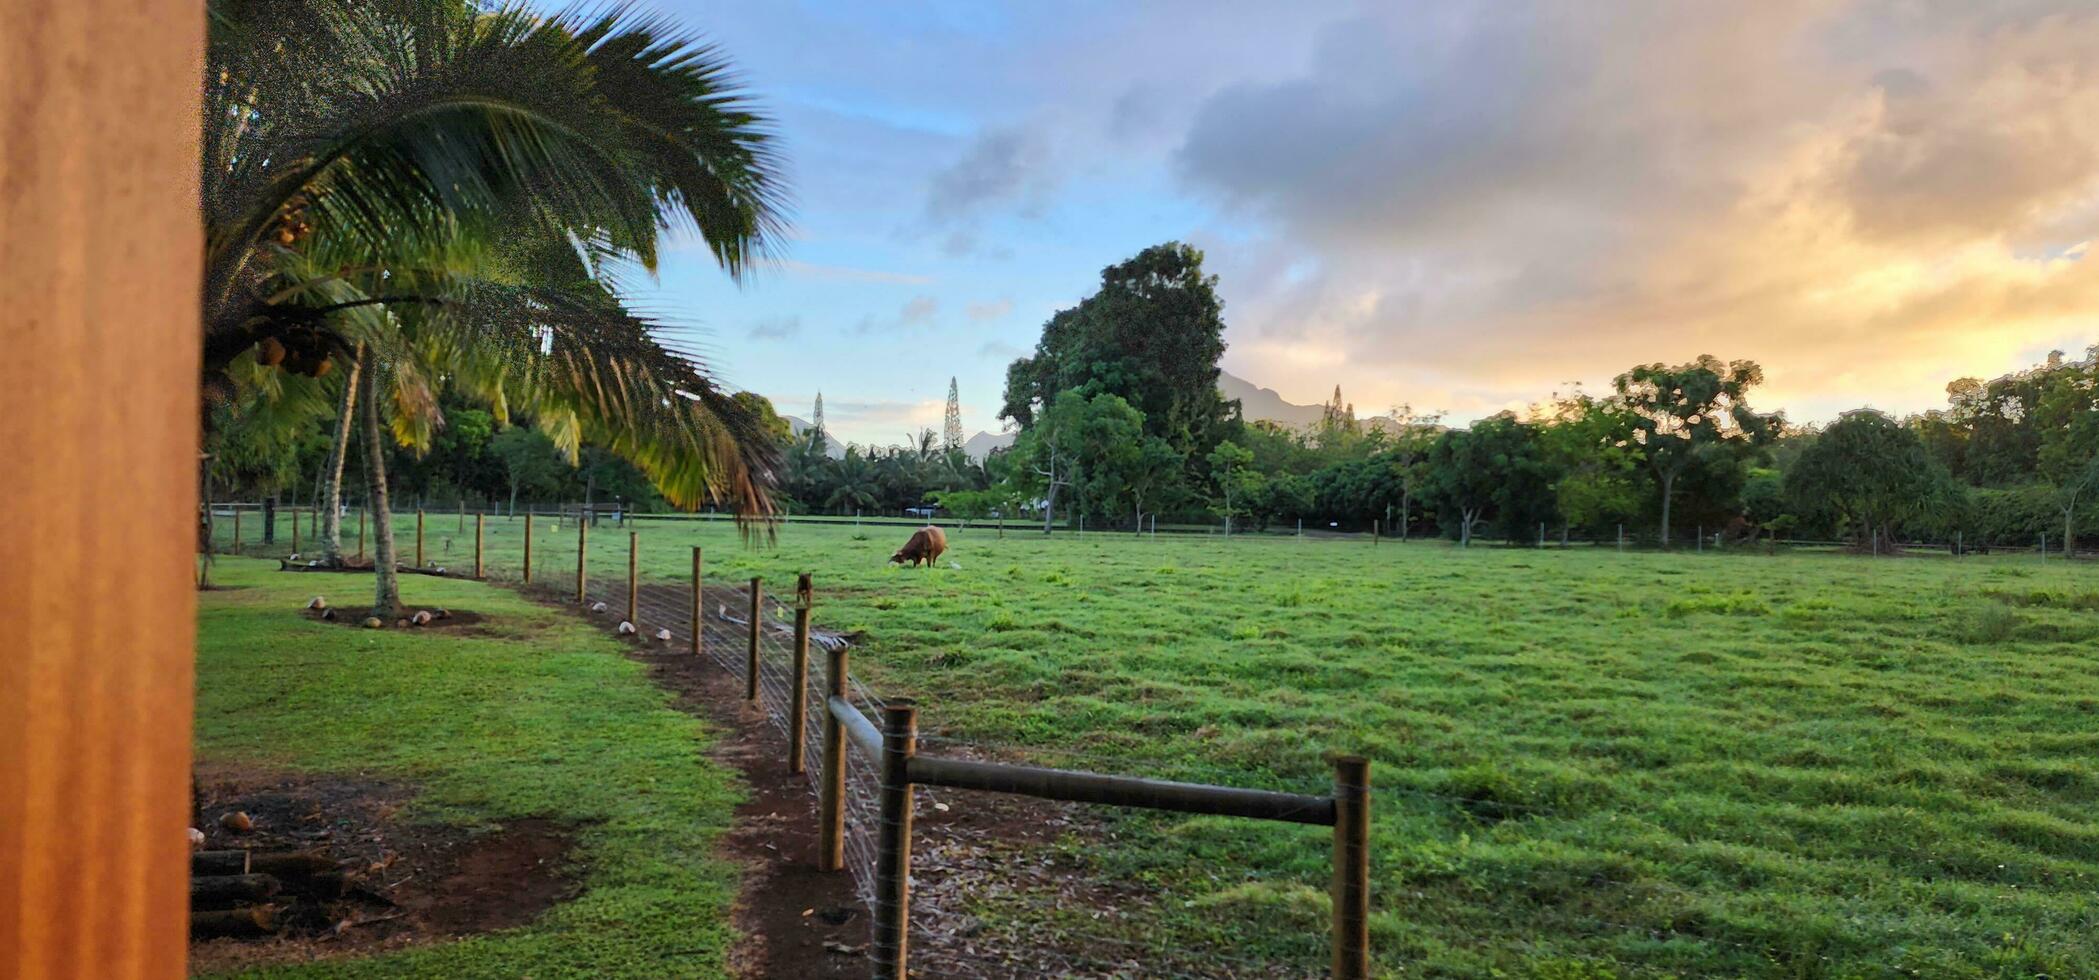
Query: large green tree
{"points": [[1867, 471], [1495, 470], [1693, 415], [1151, 335]]}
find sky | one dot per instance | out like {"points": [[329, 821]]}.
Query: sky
{"points": [[1459, 207]]}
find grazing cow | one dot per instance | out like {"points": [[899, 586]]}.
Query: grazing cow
{"points": [[926, 545]]}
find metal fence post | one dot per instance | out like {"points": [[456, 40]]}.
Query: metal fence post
{"points": [[236, 530], [634, 578], [830, 810], [528, 544], [892, 939], [1351, 890], [582, 548], [798, 704], [480, 524], [699, 643], [750, 666], [418, 537]]}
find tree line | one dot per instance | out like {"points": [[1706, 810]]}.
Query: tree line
{"points": [[1120, 418]]}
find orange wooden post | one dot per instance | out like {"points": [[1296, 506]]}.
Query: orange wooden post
{"points": [[528, 544], [798, 702], [830, 809], [582, 547], [699, 622], [480, 524], [890, 949], [1351, 890], [634, 578], [418, 537], [95, 682], [750, 669]]}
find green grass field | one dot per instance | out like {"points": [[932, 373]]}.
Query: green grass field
{"points": [[1588, 764], [544, 718]]}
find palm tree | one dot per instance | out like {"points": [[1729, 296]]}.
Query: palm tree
{"points": [[856, 486], [402, 194]]}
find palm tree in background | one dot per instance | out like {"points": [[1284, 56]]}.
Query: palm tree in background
{"points": [[401, 195]]}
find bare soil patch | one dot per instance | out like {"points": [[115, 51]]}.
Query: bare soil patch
{"points": [[442, 620], [409, 883]]}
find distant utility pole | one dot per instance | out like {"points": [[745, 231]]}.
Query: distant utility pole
{"points": [[953, 433]]}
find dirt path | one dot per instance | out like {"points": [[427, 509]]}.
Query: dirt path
{"points": [[968, 848]]}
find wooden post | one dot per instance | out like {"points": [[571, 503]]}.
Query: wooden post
{"points": [[236, 530], [528, 544], [462, 513], [750, 666], [830, 808], [97, 599], [699, 619], [295, 531], [418, 537], [1351, 891], [480, 524], [634, 578], [1377, 529], [892, 939], [798, 703], [582, 548]]}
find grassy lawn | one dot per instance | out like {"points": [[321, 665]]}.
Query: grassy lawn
{"points": [[544, 719], [1587, 764]]}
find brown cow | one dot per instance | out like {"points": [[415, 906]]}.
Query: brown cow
{"points": [[926, 545]]}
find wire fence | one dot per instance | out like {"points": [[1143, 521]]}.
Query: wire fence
{"points": [[252, 528]]}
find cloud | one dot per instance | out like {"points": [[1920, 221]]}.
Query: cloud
{"points": [[882, 422], [838, 273], [999, 350], [980, 312], [778, 327], [1479, 201], [918, 311], [1000, 167]]}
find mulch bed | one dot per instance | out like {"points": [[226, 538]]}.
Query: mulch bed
{"points": [[409, 883], [443, 621]]}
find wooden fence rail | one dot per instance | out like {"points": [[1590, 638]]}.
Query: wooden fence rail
{"points": [[893, 749]]}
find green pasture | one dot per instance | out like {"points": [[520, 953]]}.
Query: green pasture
{"points": [[537, 716], [1588, 764]]}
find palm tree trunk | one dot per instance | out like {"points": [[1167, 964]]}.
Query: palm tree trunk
{"points": [[338, 454], [386, 597]]}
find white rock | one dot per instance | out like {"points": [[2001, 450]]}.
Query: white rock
{"points": [[319, 602], [664, 635], [597, 607], [626, 628], [196, 838], [421, 618]]}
